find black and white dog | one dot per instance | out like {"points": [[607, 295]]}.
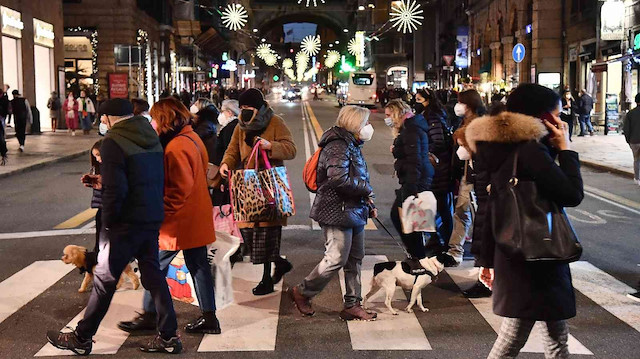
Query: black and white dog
{"points": [[388, 275]]}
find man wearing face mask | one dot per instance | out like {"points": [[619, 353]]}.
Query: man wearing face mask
{"points": [[132, 173], [258, 124]]}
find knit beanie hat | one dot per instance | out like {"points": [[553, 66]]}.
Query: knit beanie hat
{"points": [[116, 107], [252, 97]]}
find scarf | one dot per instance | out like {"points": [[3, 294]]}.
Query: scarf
{"points": [[166, 137], [256, 127]]}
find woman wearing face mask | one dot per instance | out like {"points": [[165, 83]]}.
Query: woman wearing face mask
{"points": [[70, 108], [205, 122], [258, 124], [227, 122], [342, 207], [469, 107], [413, 168], [441, 147]]}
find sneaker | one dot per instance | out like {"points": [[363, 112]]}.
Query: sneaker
{"points": [[143, 322], [207, 323], [70, 341], [21, 148], [479, 290], [282, 267], [263, 288], [635, 296], [302, 303], [357, 313], [159, 345]]}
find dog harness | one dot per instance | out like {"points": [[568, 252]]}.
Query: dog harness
{"points": [[90, 261], [416, 271]]}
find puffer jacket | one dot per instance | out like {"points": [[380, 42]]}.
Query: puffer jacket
{"points": [[206, 129], [441, 146], [411, 152], [343, 181]]}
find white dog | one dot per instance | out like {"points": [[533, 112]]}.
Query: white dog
{"points": [[389, 274]]}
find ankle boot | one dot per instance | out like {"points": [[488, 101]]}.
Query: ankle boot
{"points": [[264, 287], [207, 323], [282, 267], [143, 322]]}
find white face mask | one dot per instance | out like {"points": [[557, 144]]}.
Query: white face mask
{"points": [[103, 128], [388, 121], [193, 109], [223, 119], [366, 133], [460, 109], [463, 154]]}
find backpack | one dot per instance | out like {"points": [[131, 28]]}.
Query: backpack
{"points": [[310, 171]]}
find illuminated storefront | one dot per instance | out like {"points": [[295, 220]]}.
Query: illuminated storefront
{"points": [[12, 27], [43, 54]]}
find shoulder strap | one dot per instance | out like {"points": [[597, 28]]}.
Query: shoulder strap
{"points": [[514, 172], [194, 142]]}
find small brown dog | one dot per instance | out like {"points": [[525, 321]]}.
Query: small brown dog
{"points": [[78, 256]]}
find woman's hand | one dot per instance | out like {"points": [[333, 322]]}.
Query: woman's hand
{"points": [[264, 144], [224, 170], [559, 132], [486, 277]]}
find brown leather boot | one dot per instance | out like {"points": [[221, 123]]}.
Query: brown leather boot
{"points": [[357, 313], [302, 303]]}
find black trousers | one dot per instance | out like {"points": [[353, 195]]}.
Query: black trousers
{"points": [[96, 248], [444, 220], [568, 119], [117, 247], [413, 242], [21, 129]]}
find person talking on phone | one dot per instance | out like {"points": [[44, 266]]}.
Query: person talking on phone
{"points": [[258, 124]]}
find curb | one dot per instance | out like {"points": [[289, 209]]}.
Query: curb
{"points": [[601, 167], [44, 163]]}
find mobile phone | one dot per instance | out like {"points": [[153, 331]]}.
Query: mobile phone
{"points": [[548, 117]]}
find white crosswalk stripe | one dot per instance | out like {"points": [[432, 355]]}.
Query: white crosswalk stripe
{"points": [[260, 315]]}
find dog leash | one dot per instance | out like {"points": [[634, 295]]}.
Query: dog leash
{"points": [[394, 238]]}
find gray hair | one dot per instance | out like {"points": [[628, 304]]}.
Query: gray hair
{"points": [[231, 105], [353, 118], [202, 103]]}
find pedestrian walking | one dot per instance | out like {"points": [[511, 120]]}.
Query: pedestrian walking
{"points": [[413, 168], [441, 152], [585, 105], [188, 223], [5, 96], [259, 124], [469, 107], [342, 206], [567, 113], [3, 147], [22, 116], [93, 180], [631, 129], [5, 108], [70, 108], [525, 292], [86, 111], [132, 212], [54, 105]]}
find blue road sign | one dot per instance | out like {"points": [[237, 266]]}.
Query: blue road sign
{"points": [[518, 52]]}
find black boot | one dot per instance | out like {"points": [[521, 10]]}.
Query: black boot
{"points": [[479, 290], [282, 267], [207, 323], [143, 322], [264, 287]]}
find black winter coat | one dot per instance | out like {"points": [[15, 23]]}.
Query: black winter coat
{"points": [[536, 291], [343, 181], [411, 152], [440, 145], [206, 129], [224, 139], [585, 104]]}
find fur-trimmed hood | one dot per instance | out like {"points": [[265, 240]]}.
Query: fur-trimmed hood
{"points": [[506, 127]]}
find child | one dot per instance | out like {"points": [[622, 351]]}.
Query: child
{"points": [[94, 180]]}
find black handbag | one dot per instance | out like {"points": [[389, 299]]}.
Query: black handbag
{"points": [[528, 226]]}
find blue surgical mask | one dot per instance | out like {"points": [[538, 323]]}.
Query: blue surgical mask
{"points": [[388, 121]]}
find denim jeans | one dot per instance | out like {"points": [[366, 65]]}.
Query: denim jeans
{"points": [[198, 266], [462, 219], [585, 123], [344, 248]]}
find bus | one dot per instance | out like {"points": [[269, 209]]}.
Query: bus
{"points": [[362, 89]]}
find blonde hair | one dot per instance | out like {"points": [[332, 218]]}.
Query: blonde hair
{"points": [[398, 109], [353, 118]]}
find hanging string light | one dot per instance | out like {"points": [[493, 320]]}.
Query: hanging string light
{"points": [[310, 45], [333, 57], [302, 58], [234, 17], [309, 2], [287, 63], [355, 46], [289, 72], [270, 59], [263, 50], [405, 15]]}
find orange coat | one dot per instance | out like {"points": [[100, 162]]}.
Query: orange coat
{"points": [[188, 221]]}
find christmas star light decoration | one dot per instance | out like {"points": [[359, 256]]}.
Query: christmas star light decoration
{"points": [[310, 45], [234, 17], [355, 46], [406, 16], [333, 57], [270, 59], [309, 2], [263, 50], [302, 58], [289, 72], [287, 63]]}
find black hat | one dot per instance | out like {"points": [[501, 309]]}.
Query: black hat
{"points": [[252, 97], [116, 107], [15, 92]]}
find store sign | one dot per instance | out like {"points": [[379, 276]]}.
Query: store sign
{"points": [[612, 21], [77, 47], [43, 33], [12, 24], [602, 67], [230, 65], [118, 85], [573, 54], [462, 48], [201, 76], [360, 54], [636, 42]]}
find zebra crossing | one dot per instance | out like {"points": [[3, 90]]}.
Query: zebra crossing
{"points": [[260, 315]]}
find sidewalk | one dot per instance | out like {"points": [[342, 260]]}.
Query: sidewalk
{"points": [[608, 153], [41, 150]]}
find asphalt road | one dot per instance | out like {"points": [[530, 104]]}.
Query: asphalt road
{"points": [[606, 326]]}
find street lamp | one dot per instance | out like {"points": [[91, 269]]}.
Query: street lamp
{"points": [[345, 30], [255, 30], [360, 7]]}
